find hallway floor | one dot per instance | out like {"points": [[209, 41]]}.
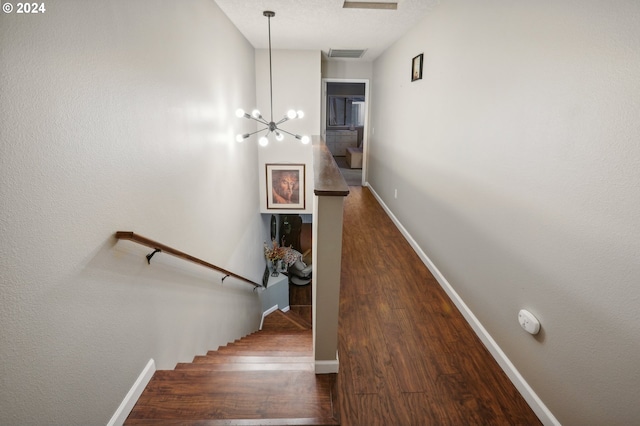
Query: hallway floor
{"points": [[407, 356], [353, 177]]}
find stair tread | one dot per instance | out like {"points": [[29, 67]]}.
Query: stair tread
{"points": [[300, 346], [263, 353], [272, 337], [218, 358], [235, 395], [263, 332], [238, 366], [320, 421], [214, 376], [290, 345], [285, 321]]}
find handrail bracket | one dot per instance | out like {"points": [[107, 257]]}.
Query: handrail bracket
{"points": [[150, 255]]}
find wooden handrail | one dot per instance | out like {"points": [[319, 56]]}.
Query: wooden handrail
{"points": [[128, 235]]}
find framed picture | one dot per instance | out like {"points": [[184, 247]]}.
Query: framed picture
{"points": [[285, 186], [416, 67], [265, 277]]}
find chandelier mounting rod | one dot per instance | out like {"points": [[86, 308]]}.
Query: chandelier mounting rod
{"points": [[269, 14]]}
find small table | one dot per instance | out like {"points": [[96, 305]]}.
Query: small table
{"points": [[354, 157], [276, 294]]}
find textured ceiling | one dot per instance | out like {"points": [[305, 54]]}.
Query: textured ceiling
{"points": [[324, 24]]}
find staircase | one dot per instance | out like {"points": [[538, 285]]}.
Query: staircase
{"points": [[265, 378]]}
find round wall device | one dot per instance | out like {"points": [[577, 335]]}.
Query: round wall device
{"points": [[528, 321]]}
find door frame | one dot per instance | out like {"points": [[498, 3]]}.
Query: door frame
{"points": [[365, 131]]}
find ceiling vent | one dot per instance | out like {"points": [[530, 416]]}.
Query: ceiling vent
{"points": [[346, 53], [370, 5]]}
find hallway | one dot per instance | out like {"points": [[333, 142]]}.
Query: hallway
{"points": [[407, 356]]}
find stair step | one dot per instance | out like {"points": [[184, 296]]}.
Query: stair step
{"points": [[270, 344], [304, 343], [259, 350], [260, 353], [263, 333], [293, 342], [236, 422], [239, 366], [217, 358], [300, 315], [284, 321], [253, 395], [303, 340], [271, 332]]}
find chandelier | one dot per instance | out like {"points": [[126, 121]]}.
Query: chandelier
{"points": [[271, 126]]}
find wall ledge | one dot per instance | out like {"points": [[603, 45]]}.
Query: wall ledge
{"points": [[328, 181]]}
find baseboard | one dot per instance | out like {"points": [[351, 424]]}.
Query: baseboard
{"points": [[267, 312], [132, 396], [327, 367], [536, 404], [270, 310]]}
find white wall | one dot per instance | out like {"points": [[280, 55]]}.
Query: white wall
{"points": [[119, 116], [296, 85], [346, 68], [517, 165]]}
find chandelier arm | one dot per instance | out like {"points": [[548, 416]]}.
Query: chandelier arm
{"points": [[283, 120], [257, 131], [289, 133], [259, 120]]}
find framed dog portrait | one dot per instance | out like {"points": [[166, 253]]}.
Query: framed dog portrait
{"points": [[416, 67], [285, 186]]}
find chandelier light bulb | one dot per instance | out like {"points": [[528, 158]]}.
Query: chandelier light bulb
{"points": [[305, 139], [291, 114], [241, 137], [263, 141], [256, 114], [300, 113], [239, 113], [279, 136]]}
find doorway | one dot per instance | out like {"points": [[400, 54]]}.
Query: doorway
{"points": [[345, 114]]}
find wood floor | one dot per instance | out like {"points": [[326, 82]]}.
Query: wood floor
{"points": [[407, 356]]}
